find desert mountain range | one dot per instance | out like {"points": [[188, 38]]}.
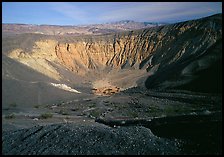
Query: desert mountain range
{"points": [[91, 29]]}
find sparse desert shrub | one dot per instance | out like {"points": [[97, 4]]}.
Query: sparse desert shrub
{"points": [[95, 113], [74, 109], [154, 111], [92, 105], [120, 106], [46, 115], [36, 106], [81, 114], [133, 114], [172, 110], [63, 112], [10, 116], [13, 105], [7, 108]]}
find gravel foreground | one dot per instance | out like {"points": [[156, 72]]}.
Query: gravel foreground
{"points": [[77, 139]]}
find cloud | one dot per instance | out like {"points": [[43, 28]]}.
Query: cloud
{"points": [[69, 11], [157, 11], [101, 12]]}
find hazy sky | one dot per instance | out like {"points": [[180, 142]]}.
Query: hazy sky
{"points": [[76, 13]]}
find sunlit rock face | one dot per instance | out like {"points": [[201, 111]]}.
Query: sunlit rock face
{"points": [[174, 55]]}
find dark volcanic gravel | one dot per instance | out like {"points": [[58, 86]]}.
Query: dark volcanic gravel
{"points": [[62, 139]]}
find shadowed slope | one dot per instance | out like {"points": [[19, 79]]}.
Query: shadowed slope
{"points": [[71, 139]]}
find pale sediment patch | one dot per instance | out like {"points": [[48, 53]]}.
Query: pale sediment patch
{"points": [[65, 87]]}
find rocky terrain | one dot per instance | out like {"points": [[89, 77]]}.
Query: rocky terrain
{"points": [[89, 140], [114, 93]]}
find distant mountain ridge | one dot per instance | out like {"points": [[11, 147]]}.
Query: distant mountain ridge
{"points": [[132, 21], [90, 29]]}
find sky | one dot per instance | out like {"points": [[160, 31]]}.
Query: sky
{"points": [[80, 13]]}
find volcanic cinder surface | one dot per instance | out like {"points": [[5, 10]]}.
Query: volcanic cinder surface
{"points": [[147, 90]]}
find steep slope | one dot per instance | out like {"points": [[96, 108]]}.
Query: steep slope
{"points": [[163, 51], [202, 73], [26, 87]]}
